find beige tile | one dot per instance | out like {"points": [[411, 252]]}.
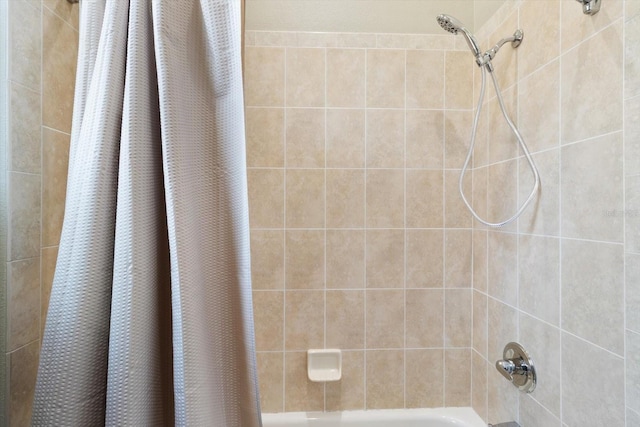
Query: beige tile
{"points": [[543, 341], [539, 106], [59, 57], [304, 259], [24, 199], [265, 137], [267, 259], [305, 74], [458, 318], [503, 144], [26, 45], [348, 393], [632, 214], [632, 295], [458, 70], [540, 20], [593, 292], [385, 138], [300, 393], [457, 247], [385, 198], [345, 77], [384, 319], [631, 60], [304, 313], [385, 258], [575, 28], [539, 277], [55, 163], [264, 76], [501, 330], [424, 139], [425, 79], [479, 195], [268, 313], [424, 318], [632, 9], [481, 144], [385, 78], [456, 215], [424, 198], [535, 415], [584, 397], [23, 308], [503, 258], [345, 319], [632, 136], [632, 357], [345, 198], [25, 129], [271, 380], [385, 379], [23, 369], [592, 190], [479, 385], [305, 142], [592, 103], [424, 258], [457, 381], [502, 398], [480, 260], [479, 323], [305, 198], [345, 138], [65, 10], [345, 259], [457, 135], [266, 198], [424, 373], [633, 418], [542, 216], [276, 38], [48, 267], [502, 192]]}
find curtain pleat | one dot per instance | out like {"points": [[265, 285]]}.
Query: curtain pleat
{"points": [[150, 318]]}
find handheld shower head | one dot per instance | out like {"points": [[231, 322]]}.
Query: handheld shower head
{"points": [[452, 25]]}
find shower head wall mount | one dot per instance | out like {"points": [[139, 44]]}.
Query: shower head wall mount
{"points": [[590, 7]]}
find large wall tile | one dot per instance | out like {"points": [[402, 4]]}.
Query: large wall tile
{"points": [[592, 189], [632, 136], [264, 76], [23, 308], [458, 80], [385, 198], [265, 137], [345, 78], [23, 370], [266, 198], [631, 57], [632, 214], [575, 28], [424, 198], [304, 259], [26, 44], [345, 138], [424, 139], [345, 259], [540, 20], [385, 138], [305, 197], [345, 319], [457, 381], [424, 318], [503, 273], [55, 163], [270, 369], [268, 312], [458, 318], [542, 216], [25, 129], [267, 259], [305, 77], [304, 328], [385, 319], [385, 78], [425, 80], [305, 139], [24, 199], [348, 393], [345, 198], [585, 396], [457, 252], [64, 10], [593, 292], [632, 356], [592, 102], [385, 379], [300, 393], [48, 267], [424, 373], [632, 283], [424, 258], [58, 71], [385, 258]]}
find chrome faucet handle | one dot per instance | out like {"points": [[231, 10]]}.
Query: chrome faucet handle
{"points": [[517, 367]]}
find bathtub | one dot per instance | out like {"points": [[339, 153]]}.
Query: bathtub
{"points": [[437, 417]]}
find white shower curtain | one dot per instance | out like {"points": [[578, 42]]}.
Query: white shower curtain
{"points": [[150, 319]]}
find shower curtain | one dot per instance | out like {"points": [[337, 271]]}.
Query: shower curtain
{"points": [[150, 318]]}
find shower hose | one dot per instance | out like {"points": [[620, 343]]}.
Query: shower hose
{"points": [[515, 131]]}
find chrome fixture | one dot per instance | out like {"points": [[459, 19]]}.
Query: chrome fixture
{"points": [[517, 367], [590, 7], [454, 26], [509, 424]]}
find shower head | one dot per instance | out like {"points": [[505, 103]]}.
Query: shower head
{"points": [[452, 25]]}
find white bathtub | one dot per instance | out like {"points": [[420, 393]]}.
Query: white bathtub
{"points": [[437, 417]]}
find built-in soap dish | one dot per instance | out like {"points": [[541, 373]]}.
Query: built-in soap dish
{"points": [[324, 365]]}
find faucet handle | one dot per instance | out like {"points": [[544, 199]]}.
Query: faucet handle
{"points": [[506, 368]]}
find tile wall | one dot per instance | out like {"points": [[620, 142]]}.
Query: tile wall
{"points": [[565, 280], [43, 38], [359, 239]]}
